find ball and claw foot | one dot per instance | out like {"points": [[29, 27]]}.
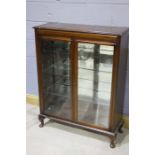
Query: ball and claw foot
{"points": [[112, 142], [112, 145]]}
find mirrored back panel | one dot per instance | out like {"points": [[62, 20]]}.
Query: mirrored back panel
{"points": [[94, 83]]}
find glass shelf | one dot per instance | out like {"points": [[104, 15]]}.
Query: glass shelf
{"points": [[105, 71], [91, 75], [89, 84], [94, 96]]}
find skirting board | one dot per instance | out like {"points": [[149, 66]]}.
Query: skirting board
{"points": [[34, 100]]}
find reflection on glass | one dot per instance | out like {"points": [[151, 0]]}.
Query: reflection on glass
{"points": [[56, 78], [94, 83]]}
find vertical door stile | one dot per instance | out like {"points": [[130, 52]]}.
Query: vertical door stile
{"points": [[74, 76], [113, 88]]}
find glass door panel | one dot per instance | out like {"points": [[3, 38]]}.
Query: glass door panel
{"points": [[56, 73], [94, 83]]}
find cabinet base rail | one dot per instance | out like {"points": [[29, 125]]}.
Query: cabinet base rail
{"points": [[111, 134]]}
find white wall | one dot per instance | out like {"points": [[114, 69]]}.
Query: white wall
{"points": [[94, 12]]}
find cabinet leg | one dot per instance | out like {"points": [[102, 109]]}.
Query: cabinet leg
{"points": [[120, 129], [41, 119], [112, 142], [112, 145]]}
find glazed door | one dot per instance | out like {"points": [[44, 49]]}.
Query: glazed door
{"points": [[94, 83], [56, 78]]}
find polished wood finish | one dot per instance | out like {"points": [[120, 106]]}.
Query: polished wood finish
{"points": [[39, 69], [74, 81], [109, 30], [119, 74], [79, 35], [56, 38], [113, 36]]}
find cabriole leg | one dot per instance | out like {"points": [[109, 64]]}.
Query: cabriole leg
{"points": [[41, 119], [112, 142], [120, 129]]}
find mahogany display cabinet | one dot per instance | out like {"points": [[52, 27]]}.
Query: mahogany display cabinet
{"points": [[81, 76]]}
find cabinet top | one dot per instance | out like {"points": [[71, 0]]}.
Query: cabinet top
{"points": [[108, 30]]}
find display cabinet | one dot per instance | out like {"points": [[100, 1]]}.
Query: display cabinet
{"points": [[81, 76]]}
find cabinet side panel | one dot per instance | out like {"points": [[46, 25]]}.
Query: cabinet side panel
{"points": [[39, 68], [120, 90]]}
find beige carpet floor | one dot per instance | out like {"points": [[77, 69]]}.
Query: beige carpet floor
{"points": [[56, 139]]}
